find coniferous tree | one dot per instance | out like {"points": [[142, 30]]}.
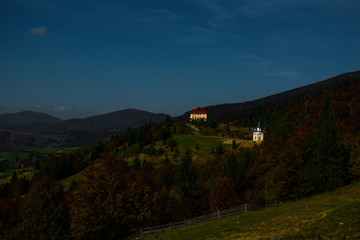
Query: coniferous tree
{"points": [[231, 168], [355, 158], [186, 178], [13, 178], [245, 165], [330, 158], [234, 145], [219, 148], [136, 164]]}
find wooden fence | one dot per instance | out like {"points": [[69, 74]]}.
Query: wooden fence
{"points": [[147, 231]]}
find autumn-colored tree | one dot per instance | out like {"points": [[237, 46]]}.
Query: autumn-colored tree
{"points": [[171, 143], [109, 202], [44, 212], [224, 195], [20, 187], [164, 175], [9, 213]]}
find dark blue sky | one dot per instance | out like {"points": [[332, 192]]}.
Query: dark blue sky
{"points": [[74, 57]]}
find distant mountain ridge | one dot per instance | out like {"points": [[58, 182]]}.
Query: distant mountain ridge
{"points": [[24, 129], [115, 121], [25, 117], [41, 123]]}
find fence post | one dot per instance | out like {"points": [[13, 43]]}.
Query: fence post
{"points": [[169, 226], [185, 222], [245, 207], [141, 231], [218, 214]]}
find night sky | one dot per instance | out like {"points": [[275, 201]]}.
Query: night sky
{"points": [[74, 58]]}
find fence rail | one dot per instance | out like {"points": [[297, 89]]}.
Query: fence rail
{"points": [[147, 231]]}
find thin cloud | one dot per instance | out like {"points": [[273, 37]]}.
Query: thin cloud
{"points": [[62, 109], [286, 74], [202, 30], [165, 13], [215, 50], [257, 8], [41, 31], [218, 11], [198, 35], [234, 35], [199, 39], [159, 15], [256, 58], [121, 100], [271, 68]]}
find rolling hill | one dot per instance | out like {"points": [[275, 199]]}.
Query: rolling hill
{"points": [[25, 117], [31, 129]]}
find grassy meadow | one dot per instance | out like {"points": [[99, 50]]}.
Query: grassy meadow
{"points": [[329, 214], [52, 150], [15, 158], [5, 177], [21, 155], [67, 181], [203, 146]]}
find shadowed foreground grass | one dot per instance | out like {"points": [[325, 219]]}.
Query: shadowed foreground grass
{"points": [[329, 214]]}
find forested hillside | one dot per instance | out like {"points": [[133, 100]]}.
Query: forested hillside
{"points": [[163, 172], [230, 110]]}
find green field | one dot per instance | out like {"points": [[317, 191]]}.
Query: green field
{"points": [[21, 155], [67, 181], [190, 141], [14, 158], [6, 176], [329, 214], [52, 150], [205, 144]]}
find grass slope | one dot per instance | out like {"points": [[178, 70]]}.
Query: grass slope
{"points": [[67, 181], [206, 144], [328, 214]]}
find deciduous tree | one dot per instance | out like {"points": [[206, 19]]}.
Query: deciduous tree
{"points": [[224, 195], [109, 202], [44, 212]]}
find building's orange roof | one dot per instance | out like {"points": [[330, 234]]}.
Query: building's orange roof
{"points": [[199, 110]]}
